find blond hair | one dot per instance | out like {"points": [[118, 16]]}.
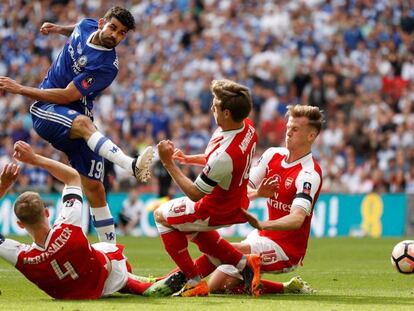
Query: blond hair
{"points": [[312, 113], [29, 208], [233, 97]]}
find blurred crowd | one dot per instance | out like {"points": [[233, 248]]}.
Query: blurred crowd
{"points": [[352, 58]]}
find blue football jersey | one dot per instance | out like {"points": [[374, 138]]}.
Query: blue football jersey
{"points": [[92, 68]]}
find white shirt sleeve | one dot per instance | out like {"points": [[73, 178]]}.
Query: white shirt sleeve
{"points": [[71, 212], [10, 249], [259, 170], [218, 169], [307, 184]]}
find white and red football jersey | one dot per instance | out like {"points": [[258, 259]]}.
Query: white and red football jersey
{"points": [[299, 185], [225, 176], [67, 267]]}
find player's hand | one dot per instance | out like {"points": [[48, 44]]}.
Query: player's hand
{"points": [[9, 85], [9, 175], [180, 156], [268, 187], [48, 28], [252, 220], [24, 153], [165, 151]]}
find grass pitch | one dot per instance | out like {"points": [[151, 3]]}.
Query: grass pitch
{"points": [[348, 273]]}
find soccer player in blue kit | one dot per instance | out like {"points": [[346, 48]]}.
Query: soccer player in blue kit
{"points": [[62, 113]]}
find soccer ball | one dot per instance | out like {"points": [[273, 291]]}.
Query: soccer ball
{"points": [[402, 256]]}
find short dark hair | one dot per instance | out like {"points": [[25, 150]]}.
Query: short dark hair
{"points": [[121, 14], [234, 97], [29, 208]]}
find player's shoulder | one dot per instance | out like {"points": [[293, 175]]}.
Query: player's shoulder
{"points": [[310, 165], [87, 23], [272, 151]]}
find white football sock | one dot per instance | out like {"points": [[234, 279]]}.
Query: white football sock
{"points": [[104, 224], [107, 149]]}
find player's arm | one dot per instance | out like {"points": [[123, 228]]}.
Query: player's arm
{"points": [[292, 221], [166, 151], [8, 177], [196, 159], [24, 153], [57, 96], [10, 249], [49, 28]]}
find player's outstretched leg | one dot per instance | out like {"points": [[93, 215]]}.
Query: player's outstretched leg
{"points": [[167, 286], [82, 127], [298, 286], [189, 290]]}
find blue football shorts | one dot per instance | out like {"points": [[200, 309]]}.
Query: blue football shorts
{"points": [[53, 122]]}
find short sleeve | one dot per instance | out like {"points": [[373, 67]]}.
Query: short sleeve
{"points": [[90, 81], [72, 201], [10, 249], [217, 168], [307, 185], [259, 170]]}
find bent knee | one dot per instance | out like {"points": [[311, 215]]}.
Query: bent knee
{"points": [[82, 127], [159, 217]]}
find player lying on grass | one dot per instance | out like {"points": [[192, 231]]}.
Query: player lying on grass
{"points": [[291, 180], [61, 261]]}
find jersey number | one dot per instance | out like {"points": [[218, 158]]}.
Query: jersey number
{"points": [[96, 169], [69, 270], [248, 164]]}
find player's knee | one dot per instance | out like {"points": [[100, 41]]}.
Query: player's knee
{"points": [[159, 217], [82, 126]]}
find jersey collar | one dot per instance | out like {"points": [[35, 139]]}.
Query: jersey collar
{"points": [[38, 247], [300, 160], [94, 46]]}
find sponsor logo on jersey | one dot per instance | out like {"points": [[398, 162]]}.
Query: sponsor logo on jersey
{"points": [[75, 64], [288, 182], [70, 112], [87, 82], [279, 205], [79, 48], [116, 63], [307, 188]]}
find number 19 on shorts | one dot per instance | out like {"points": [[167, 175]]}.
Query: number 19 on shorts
{"points": [[96, 170]]}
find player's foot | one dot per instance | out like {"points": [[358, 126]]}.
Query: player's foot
{"points": [[251, 275], [298, 286], [201, 289], [141, 165], [168, 286]]}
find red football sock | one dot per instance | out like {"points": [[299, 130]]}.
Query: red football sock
{"points": [[270, 287], [204, 265], [134, 287], [211, 243], [175, 243]]}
